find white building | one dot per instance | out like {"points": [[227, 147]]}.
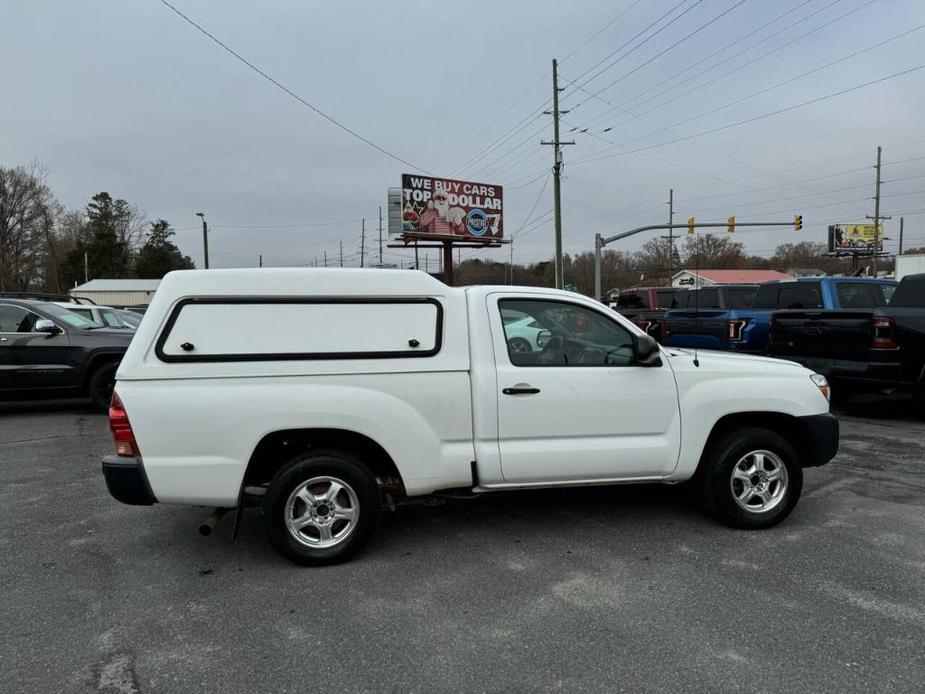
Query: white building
{"points": [[117, 292]]}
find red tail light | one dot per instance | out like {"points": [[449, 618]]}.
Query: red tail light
{"points": [[735, 330], [122, 434], [884, 332]]}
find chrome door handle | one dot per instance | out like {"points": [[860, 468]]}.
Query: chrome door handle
{"points": [[521, 390]]}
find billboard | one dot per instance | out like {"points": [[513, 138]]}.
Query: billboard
{"points": [[450, 208], [857, 238]]}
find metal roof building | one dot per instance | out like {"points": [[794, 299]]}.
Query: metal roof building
{"points": [[117, 292], [703, 278]]}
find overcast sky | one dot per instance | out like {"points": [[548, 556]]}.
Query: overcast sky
{"points": [[125, 96]]}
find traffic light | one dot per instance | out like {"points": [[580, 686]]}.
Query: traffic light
{"points": [[690, 225], [797, 222], [731, 225]]}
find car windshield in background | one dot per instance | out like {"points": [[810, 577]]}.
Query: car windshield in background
{"points": [[786, 295], [130, 318], [68, 317], [666, 298], [632, 300], [111, 318], [860, 295], [740, 297]]}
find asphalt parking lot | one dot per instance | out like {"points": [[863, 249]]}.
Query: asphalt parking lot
{"points": [[609, 589]]}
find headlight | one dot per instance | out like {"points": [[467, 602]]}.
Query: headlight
{"points": [[822, 385]]}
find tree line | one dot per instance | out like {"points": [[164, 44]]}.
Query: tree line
{"points": [[46, 247], [654, 264]]}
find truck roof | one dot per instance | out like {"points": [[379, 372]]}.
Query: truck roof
{"points": [[300, 282]]}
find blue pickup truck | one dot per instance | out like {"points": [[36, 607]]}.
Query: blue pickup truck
{"points": [[738, 317]]}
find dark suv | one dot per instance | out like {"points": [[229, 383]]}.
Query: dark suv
{"points": [[49, 351]]}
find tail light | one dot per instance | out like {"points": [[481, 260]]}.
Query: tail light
{"points": [[122, 434], [735, 329], [884, 332]]}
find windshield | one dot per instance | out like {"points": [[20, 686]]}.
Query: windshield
{"points": [[68, 317], [112, 319]]}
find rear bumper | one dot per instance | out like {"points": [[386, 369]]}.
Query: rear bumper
{"points": [[882, 374], [126, 480], [821, 439]]}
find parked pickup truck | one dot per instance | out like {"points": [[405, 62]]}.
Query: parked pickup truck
{"points": [[325, 395], [724, 318], [50, 351], [874, 349], [647, 306]]}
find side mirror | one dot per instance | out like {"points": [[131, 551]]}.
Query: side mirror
{"points": [[543, 337], [647, 351], [43, 325]]}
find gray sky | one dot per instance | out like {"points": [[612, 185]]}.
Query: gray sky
{"points": [[124, 96]]}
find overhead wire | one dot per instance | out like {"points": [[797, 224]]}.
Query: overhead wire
{"points": [[288, 91]]}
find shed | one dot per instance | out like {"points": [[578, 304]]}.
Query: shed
{"points": [[117, 292]]}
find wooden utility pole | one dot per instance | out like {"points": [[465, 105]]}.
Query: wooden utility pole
{"points": [[901, 219], [363, 244], [877, 217], [380, 235], [341, 253], [260, 260], [325, 258], [670, 235], [557, 168]]}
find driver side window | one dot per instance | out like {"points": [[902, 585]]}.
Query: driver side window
{"points": [[558, 333]]}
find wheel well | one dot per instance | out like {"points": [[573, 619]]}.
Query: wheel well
{"points": [[276, 449], [788, 426], [95, 363]]}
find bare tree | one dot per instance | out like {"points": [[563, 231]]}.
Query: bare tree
{"points": [[27, 218]]}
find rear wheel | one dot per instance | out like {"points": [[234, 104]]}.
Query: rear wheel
{"points": [[322, 508], [101, 384], [752, 479]]}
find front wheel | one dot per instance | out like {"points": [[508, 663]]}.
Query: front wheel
{"points": [[321, 508], [752, 479]]}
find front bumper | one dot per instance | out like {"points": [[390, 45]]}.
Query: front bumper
{"points": [[820, 439], [127, 481]]}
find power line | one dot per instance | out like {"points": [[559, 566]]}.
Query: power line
{"points": [[288, 91], [755, 118], [664, 51]]}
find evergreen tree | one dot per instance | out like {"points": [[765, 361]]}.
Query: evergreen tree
{"points": [[159, 255]]}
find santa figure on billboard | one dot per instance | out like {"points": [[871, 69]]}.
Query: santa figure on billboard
{"points": [[439, 217]]}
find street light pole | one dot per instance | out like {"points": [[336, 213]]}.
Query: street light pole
{"points": [[205, 240]]}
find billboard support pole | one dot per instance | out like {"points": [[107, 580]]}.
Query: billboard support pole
{"points": [[448, 263]]}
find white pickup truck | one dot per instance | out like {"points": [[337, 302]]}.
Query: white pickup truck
{"points": [[328, 395]]}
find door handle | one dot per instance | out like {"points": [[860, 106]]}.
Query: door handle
{"points": [[521, 390]]}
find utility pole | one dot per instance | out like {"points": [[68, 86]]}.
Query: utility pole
{"points": [[325, 258], [260, 260], [341, 253], [877, 217], [380, 235], [205, 240], [901, 219], [670, 235], [363, 243], [86, 268], [557, 168], [512, 262]]}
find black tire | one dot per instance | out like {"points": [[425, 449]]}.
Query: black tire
{"points": [[719, 490], [518, 344], [101, 384], [335, 465]]}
